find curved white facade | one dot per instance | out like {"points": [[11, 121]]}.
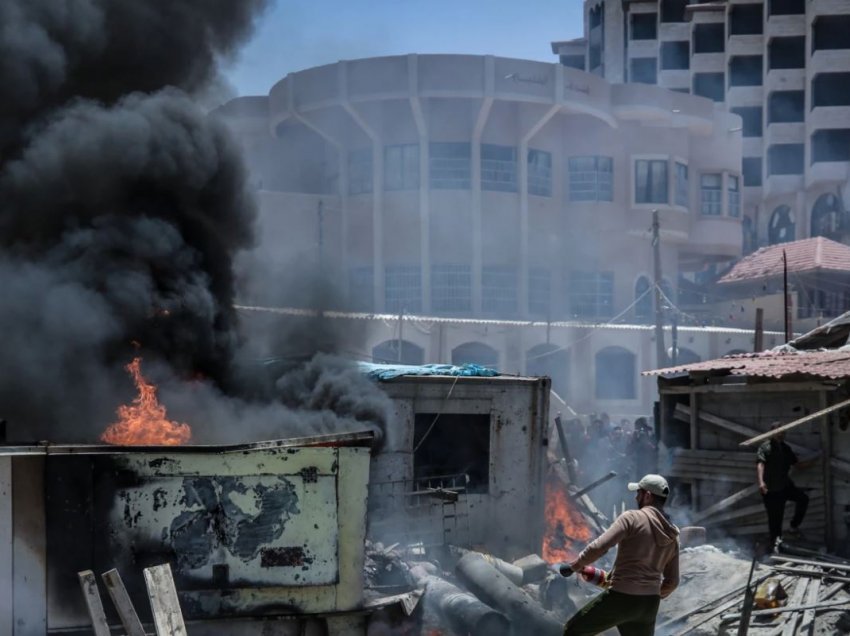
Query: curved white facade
{"points": [[485, 186]]}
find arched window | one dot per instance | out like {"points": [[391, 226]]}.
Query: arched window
{"points": [[615, 374], [388, 352], [827, 218], [475, 353], [551, 361], [782, 227], [643, 298]]}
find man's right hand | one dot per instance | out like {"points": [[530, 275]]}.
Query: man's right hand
{"points": [[763, 488]]}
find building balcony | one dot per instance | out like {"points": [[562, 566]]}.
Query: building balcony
{"points": [[708, 63], [752, 146], [832, 61], [785, 26], [828, 117], [675, 79], [744, 45], [674, 31], [828, 7], [781, 133], [642, 48], [824, 172], [744, 96], [785, 79], [782, 184]]}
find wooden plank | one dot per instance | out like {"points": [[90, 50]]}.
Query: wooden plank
{"points": [[794, 424], [6, 547], [165, 606], [88, 584], [123, 604], [748, 511], [812, 574], [740, 387], [809, 616], [723, 504], [795, 600], [820, 564], [682, 412], [831, 591]]}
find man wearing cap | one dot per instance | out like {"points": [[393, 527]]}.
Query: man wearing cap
{"points": [[645, 571]]}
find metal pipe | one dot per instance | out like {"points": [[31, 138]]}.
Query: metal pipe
{"points": [[593, 485]]}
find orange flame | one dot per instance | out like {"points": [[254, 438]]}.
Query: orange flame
{"points": [[144, 421], [565, 531]]}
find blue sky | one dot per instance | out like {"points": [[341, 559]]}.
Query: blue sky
{"points": [[297, 34]]}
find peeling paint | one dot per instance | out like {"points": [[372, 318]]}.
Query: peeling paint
{"points": [[292, 556]]}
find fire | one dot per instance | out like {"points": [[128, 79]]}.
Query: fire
{"points": [[565, 531], [144, 421]]}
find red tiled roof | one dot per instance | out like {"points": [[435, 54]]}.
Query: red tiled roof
{"points": [[768, 364], [806, 255]]}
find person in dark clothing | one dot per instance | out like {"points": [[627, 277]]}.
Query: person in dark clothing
{"points": [[773, 461]]}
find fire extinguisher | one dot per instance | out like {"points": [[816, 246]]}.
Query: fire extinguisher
{"points": [[590, 574]]}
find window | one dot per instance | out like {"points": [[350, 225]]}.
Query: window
{"points": [[539, 172], [390, 351], [781, 228], [651, 181], [733, 185], [752, 171], [615, 374], [673, 10], [644, 70], [682, 194], [676, 56], [499, 290], [643, 298], [709, 38], [403, 289], [745, 70], [591, 178], [498, 168], [787, 7], [831, 144], [591, 294], [827, 217], [831, 89], [710, 85], [787, 53], [822, 303], [451, 288], [785, 159], [450, 165], [401, 167], [711, 194], [644, 26], [830, 32], [573, 61], [751, 117], [786, 106], [361, 289], [475, 353], [449, 444], [746, 19], [539, 291], [360, 171]]}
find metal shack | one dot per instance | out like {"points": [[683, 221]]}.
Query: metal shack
{"points": [[463, 463], [709, 408], [266, 530]]}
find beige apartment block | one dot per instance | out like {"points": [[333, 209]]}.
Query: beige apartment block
{"points": [[782, 65]]}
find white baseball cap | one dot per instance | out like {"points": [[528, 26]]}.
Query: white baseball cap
{"points": [[656, 484]]}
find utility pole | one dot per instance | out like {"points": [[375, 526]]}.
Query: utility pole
{"points": [[660, 351], [787, 297]]}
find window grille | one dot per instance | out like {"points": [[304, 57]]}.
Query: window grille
{"points": [[451, 288], [401, 167], [711, 188], [499, 290], [450, 165], [403, 289], [539, 172], [360, 171], [498, 168], [591, 294], [591, 178], [651, 181]]}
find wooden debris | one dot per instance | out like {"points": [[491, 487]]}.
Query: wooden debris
{"points": [[167, 616], [93, 603], [123, 604]]}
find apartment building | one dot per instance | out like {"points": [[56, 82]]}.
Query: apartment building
{"points": [[782, 65]]}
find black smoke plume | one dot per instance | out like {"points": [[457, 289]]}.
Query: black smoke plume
{"points": [[122, 205]]}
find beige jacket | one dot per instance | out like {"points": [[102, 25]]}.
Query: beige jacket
{"points": [[647, 560]]}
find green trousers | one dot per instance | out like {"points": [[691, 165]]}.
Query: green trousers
{"points": [[632, 615]]}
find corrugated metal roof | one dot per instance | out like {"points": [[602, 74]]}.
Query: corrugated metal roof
{"points": [[806, 255], [834, 364]]}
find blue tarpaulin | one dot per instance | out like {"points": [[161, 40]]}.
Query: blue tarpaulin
{"points": [[390, 371]]}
